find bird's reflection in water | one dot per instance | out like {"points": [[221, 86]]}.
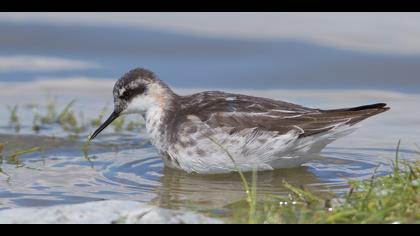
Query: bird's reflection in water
{"points": [[180, 190]]}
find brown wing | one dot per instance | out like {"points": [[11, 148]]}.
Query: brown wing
{"points": [[207, 103], [240, 112]]}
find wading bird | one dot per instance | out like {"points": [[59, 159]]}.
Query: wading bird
{"points": [[217, 132]]}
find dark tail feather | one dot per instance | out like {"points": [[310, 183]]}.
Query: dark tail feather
{"points": [[358, 114], [378, 106], [327, 119]]}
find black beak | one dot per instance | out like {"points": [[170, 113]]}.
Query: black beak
{"points": [[113, 117]]}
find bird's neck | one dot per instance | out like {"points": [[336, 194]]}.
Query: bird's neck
{"points": [[158, 116], [157, 99]]}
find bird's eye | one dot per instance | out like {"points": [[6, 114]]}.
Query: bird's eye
{"points": [[125, 95], [131, 93]]}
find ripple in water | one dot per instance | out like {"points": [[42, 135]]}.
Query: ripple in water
{"points": [[120, 169]]}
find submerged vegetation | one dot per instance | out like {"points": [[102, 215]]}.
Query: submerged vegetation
{"points": [[14, 118], [50, 117], [67, 120], [13, 158]]}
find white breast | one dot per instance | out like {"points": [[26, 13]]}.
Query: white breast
{"points": [[154, 119], [250, 150]]}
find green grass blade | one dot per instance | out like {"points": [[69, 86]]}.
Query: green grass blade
{"points": [[66, 110], [25, 152]]}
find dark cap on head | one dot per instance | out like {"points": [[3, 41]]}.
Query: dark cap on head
{"points": [[132, 84], [133, 79], [136, 74]]}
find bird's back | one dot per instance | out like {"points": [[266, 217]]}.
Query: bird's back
{"points": [[218, 109]]}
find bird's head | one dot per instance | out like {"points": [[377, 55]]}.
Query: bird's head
{"points": [[136, 92]]}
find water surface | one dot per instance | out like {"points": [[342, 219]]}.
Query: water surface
{"points": [[125, 166]]}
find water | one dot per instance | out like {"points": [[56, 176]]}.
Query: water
{"points": [[194, 62], [61, 175], [124, 166]]}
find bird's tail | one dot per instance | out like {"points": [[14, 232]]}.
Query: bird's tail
{"points": [[357, 114]]}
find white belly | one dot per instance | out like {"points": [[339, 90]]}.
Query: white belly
{"points": [[222, 153]]}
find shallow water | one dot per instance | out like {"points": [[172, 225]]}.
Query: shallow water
{"points": [[130, 171], [125, 166]]}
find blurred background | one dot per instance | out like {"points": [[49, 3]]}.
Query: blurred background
{"points": [[378, 51]]}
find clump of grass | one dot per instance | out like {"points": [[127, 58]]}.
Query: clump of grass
{"points": [[1, 148], [70, 123], [36, 121], [388, 199], [14, 118], [66, 110], [13, 114], [51, 116], [68, 120]]}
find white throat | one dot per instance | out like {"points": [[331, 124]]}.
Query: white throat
{"points": [[152, 106], [142, 105]]}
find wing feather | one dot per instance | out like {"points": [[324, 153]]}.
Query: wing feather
{"points": [[239, 112]]}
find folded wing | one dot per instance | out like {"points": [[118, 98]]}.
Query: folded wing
{"points": [[240, 112]]}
